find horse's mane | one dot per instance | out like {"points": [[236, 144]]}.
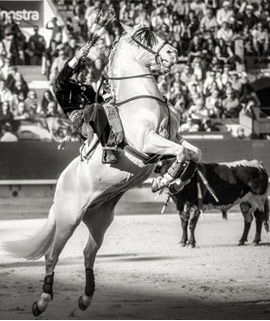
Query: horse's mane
{"points": [[145, 36]]}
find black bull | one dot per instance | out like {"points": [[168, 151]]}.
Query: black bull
{"points": [[242, 182]]}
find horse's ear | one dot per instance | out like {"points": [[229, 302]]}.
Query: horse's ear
{"points": [[128, 29]]}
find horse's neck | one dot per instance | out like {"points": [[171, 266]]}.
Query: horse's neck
{"points": [[125, 66]]}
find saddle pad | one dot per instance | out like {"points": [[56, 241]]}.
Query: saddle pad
{"points": [[115, 122]]}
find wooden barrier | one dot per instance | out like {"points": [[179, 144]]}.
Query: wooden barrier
{"points": [[43, 161]]}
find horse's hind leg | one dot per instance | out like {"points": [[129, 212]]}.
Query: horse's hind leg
{"points": [[64, 229], [97, 221]]}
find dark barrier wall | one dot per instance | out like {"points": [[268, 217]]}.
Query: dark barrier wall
{"points": [[42, 160]]}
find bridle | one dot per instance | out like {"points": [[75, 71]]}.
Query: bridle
{"points": [[153, 52]]}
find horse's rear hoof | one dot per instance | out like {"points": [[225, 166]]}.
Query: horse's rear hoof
{"points": [[241, 243], [84, 301], [183, 244], [35, 309], [81, 304]]}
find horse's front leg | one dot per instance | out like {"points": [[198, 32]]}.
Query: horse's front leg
{"points": [[183, 152]]}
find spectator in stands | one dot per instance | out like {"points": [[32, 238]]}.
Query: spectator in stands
{"points": [[260, 40], [237, 83], [6, 95], [57, 65], [225, 76], [7, 134], [55, 27], [52, 110], [91, 13], [231, 104], [189, 126], [198, 69], [19, 91], [36, 47], [225, 13], [69, 27], [248, 18], [21, 113], [11, 46], [208, 82], [31, 104], [181, 7], [191, 24], [71, 47], [213, 104], [47, 97], [198, 112], [209, 21], [143, 19], [224, 52], [3, 54], [198, 7], [225, 33], [246, 35], [5, 68], [194, 49], [22, 45], [6, 115]]}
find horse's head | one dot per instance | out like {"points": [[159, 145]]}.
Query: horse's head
{"points": [[150, 49]]}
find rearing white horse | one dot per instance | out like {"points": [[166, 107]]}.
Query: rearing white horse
{"points": [[89, 191]]}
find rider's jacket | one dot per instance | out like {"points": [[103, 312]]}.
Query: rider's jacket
{"points": [[70, 94]]}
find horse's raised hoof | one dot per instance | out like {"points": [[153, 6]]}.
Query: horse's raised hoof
{"points": [[81, 302], [35, 309]]}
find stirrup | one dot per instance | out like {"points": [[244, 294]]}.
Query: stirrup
{"points": [[109, 155]]}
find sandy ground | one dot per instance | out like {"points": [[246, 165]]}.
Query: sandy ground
{"points": [[141, 271]]}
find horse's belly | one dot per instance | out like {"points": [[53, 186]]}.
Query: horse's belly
{"points": [[103, 181]]}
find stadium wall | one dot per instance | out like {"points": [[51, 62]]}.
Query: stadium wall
{"points": [[42, 160]]}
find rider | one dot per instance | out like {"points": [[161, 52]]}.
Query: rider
{"points": [[77, 98]]}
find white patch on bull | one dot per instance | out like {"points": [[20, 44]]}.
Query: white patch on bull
{"points": [[256, 202], [253, 163]]}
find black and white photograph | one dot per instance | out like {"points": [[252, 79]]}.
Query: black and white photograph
{"points": [[135, 159]]}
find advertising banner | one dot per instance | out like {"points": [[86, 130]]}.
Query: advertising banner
{"points": [[29, 12]]}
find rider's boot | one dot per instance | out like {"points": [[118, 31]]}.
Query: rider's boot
{"points": [[184, 179], [172, 173]]}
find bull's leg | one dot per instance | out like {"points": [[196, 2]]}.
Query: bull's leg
{"points": [[259, 219], [248, 217], [184, 218], [97, 221], [184, 152], [194, 216]]}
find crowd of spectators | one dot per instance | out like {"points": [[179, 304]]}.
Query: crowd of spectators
{"points": [[208, 85]]}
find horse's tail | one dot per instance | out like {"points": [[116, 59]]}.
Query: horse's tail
{"points": [[36, 246], [266, 215]]}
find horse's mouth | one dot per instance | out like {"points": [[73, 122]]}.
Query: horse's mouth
{"points": [[166, 63]]}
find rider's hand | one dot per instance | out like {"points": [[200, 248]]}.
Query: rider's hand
{"points": [[82, 52]]}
